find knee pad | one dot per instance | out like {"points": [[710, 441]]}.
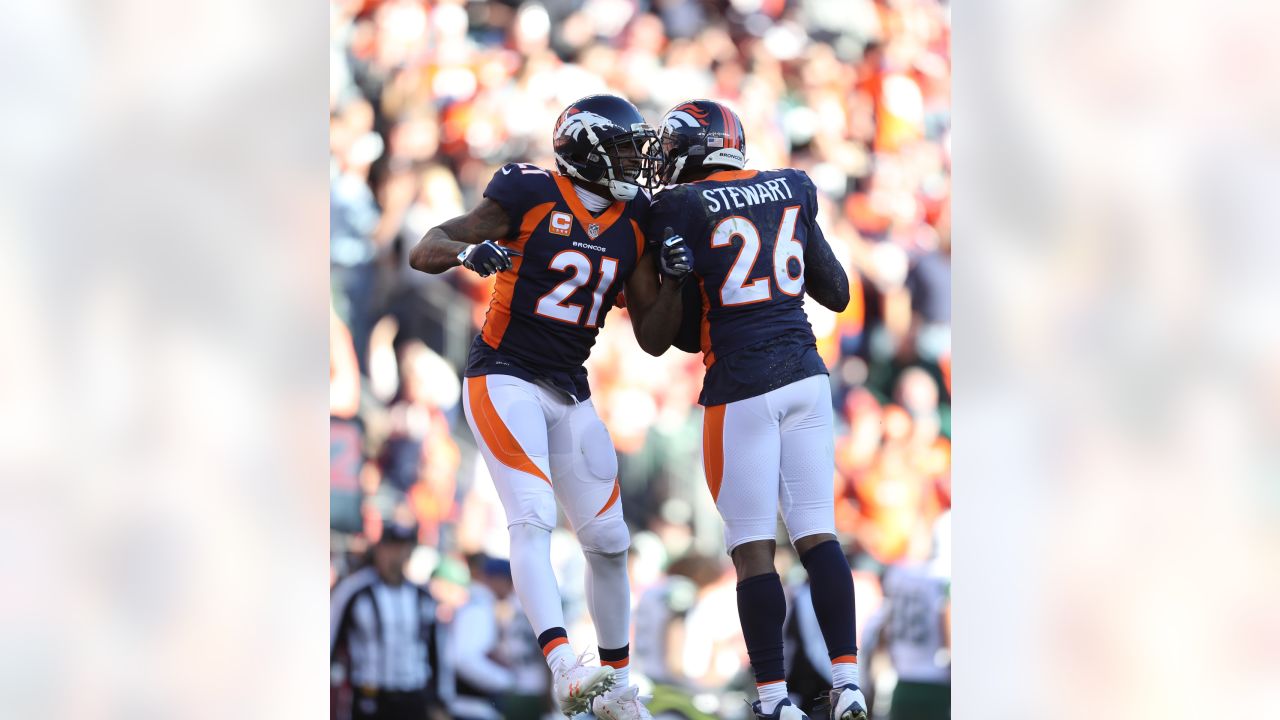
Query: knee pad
{"points": [[605, 535]]}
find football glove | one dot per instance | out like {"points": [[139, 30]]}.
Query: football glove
{"points": [[674, 259], [486, 258]]}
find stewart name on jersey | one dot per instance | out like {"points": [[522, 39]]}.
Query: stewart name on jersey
{"points": [[547, 309]]}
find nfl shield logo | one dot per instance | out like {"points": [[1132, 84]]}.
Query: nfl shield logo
{"points": [[593, 231]]}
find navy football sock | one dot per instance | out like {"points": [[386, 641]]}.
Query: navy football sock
{"points": [[555, 647], [832, 598], [762, 608]]}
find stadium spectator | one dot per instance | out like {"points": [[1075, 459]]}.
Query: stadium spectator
{"points": [[913, 626], [346, 440], [353, 217], [501, 674]]}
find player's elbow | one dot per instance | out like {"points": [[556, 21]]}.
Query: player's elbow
{"points": [[840, 300], [424, 258], [655, 350], [419, 256], [653, 346], [649, 341], [834, 299]]}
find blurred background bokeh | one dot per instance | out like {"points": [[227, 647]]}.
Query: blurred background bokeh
{"points": [[428, 98], [164, 194]]}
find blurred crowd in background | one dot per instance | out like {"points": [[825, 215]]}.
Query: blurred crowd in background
{"points": [[429, 97]]}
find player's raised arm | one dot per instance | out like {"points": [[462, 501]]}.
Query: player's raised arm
{"points": [[656, 308], [466, 240], [824, 277]]}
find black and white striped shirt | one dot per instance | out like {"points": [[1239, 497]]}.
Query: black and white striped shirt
{"points": [[390, 634]]}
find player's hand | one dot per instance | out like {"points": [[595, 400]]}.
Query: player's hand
{"points": [[487, 258], [674, 259]]}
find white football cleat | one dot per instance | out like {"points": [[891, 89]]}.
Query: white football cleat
{"points": [[620, 704], [783, 711], [576, 685], [847, 703]]}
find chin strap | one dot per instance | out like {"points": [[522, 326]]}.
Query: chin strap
{"points": [[623, 191], [675, 176]]}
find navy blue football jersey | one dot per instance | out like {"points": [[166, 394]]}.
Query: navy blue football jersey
{"points": [[747, 231], [547, 309]]}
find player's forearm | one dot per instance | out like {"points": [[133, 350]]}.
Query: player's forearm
{"points": [[436, 252], [657, 326], [824, 277]]}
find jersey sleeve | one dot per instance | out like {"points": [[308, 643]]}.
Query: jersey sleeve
{"points": [[511, 188], [808, 193], [638, 209], [641, 205], [822, 267], [671, 209]]}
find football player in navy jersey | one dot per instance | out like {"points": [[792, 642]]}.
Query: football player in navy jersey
{"points": [[756, 249], [563, 245]]}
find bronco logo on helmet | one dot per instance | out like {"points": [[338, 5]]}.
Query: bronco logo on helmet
{"points": [[575, 123], [688, 115]]}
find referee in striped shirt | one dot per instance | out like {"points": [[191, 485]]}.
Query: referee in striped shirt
{"points": [[386, 629]]}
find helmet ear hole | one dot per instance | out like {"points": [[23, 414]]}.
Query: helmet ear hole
{"points": [[726, 157]]}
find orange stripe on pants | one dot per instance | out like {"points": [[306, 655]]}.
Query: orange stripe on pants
{"points": [[494, 432], [713, 448], [613, 498]]}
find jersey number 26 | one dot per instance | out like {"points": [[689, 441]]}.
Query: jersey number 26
{"points": [[737, 289]]}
